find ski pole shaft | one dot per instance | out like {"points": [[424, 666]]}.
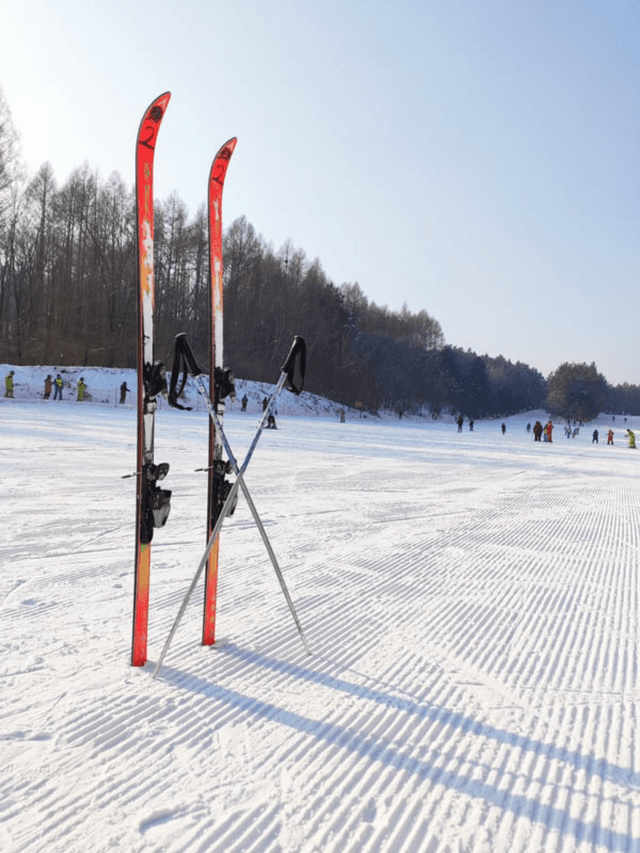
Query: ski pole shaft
{"points": [[273, 559], [252, 507]]}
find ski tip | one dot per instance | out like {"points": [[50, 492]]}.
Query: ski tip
{"points": [[159, 103], [218, 172], [225, 151], [151, 120]]}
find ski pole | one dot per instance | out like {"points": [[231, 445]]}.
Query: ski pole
{"points": [[214, 535], [245, 490], [297, 348]]}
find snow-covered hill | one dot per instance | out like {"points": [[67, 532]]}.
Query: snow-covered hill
{"points": [[103, 387]]}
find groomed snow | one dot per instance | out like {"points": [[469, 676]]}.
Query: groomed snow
{"points": [[471, 602]]}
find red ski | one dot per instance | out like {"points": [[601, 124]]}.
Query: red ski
{"points": [[220, 384], [152, 503]]}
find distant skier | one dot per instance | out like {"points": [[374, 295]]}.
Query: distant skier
{"points": [[57, 388], [594, 437], [8, 381], [632, 438], [265, 403], [47, 386], [529, 427], [471, 423], [503, 428], [244, 401], [460, 422], [610, 437], [81, 389], [271, 422], [123, 393], [537, 431], [548, 431]]}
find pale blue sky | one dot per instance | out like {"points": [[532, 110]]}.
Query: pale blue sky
{"points": [[476, 158]]}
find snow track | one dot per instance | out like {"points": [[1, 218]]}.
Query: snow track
{"points": [[471, 602]]}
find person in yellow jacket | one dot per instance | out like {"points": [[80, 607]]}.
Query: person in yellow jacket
{"points": [[57, 388], [9, 384], [81, 389]]}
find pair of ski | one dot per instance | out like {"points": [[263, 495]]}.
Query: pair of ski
{"points": [[153, 502]]}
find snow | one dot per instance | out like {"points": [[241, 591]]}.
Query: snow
{"points": [[470, 600]]}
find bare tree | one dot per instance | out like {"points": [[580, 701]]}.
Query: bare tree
{"points": [[11, 170]]}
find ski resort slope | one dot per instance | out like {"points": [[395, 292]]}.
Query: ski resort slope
{"points": [[470, 600]]}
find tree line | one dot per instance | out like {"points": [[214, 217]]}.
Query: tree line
{"points": [[68, 295]]}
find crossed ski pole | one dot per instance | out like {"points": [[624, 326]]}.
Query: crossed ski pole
{"points": [[286, 375]]}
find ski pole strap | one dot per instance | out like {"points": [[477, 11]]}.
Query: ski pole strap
{"points": [[183, 361], [298, 348]]}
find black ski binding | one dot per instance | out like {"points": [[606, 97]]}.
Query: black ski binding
{"points": [[156, 502], [224, 385], [156, 472], [221, 488]]}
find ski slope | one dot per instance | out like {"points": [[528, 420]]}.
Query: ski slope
{"points": [[470, 600]]}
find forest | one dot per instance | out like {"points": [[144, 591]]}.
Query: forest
{"points": [[68, 296]]}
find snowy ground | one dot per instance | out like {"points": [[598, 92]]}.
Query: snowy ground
{"points": [[471, 602]]}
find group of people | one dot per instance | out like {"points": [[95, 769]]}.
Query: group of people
{"points": [[545, 433], [595, 436], [539, 431], [460, 422], [57, 385], [50, 384]]}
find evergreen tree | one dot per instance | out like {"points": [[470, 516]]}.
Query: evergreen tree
{"points": [[576, 392]]}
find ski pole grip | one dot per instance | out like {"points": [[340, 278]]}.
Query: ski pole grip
{"points": [[298, 348]]}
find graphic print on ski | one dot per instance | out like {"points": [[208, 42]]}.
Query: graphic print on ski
{"points": [[152, 503], [219, 386]]}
